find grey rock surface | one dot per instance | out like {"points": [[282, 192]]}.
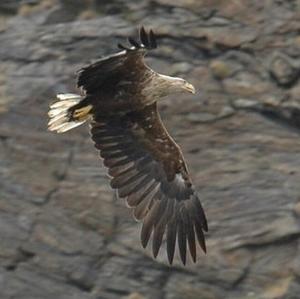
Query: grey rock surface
{"points": [[63, 233]]}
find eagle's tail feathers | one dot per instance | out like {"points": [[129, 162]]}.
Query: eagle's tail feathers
{"points": [[64, 114]]}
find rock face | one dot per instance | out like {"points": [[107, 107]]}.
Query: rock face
{"points": [[64, 235]]}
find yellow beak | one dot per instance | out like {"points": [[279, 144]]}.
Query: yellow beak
{"points": [[190, 88]]}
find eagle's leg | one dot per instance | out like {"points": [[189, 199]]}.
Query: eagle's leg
{"points": [[81, 113], [69, 112]]}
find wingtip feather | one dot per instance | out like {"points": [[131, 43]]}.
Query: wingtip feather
{"points": [[144, 37], [152, 39]]}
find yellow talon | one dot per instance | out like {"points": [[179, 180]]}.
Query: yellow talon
{"points": [[82, 113]]}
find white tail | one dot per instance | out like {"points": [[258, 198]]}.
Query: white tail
{"points": [[59, 113]]}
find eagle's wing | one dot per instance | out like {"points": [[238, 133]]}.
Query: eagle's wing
{"points": [[147, 168], [125, 65]]}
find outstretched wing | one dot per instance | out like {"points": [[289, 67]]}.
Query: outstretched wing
{"points": [[147, 168], [125, 65]]}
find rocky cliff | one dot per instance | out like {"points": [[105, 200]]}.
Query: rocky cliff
{"points": [[65, 236]]}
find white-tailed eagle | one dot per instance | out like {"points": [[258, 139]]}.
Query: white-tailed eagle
{"points": [[144, 163]]}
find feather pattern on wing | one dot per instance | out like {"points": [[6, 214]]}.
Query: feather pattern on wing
{"points": [[108, 71], [148, 170]]}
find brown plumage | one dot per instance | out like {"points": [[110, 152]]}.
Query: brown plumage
{"points": [[146, 166]]}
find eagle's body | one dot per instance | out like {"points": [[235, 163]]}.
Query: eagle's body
{"points": [[145, 164]]}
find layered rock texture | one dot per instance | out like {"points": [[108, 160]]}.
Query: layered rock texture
{"points": [[64, 235]]}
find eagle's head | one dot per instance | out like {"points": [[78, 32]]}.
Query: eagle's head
{"points": [[170, 85], [181, 85]]}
